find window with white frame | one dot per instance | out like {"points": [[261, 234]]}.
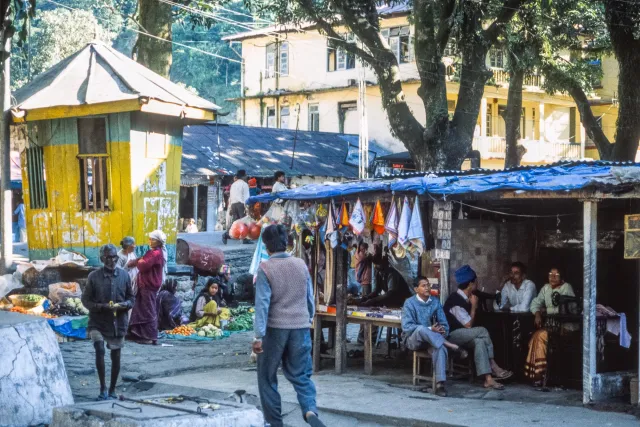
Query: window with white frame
{"points": [[314, 117], [339, 58], [271, 117], [277, 60], [400, 42], [496, 58], [284, 117]]}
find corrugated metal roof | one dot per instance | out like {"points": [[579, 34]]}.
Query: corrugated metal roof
{"points": [[100, 74], [263, 151]]}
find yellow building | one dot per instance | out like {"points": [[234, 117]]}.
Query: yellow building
{"points": [[294, 78], [101, 152]]}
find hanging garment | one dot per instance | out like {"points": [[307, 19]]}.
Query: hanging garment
{"points": [[329, 284], [378, 219], [404, 223], [358, 219], [392, 224], [416, 233], [344, 215]]}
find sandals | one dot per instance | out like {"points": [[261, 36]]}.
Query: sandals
{"points": [[102, 396], [461, 353], [505, 375], [495, 386]]}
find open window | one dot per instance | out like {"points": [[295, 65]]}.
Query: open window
{"points": [[338, 58], [284, 117], [277, 60], [93, 157], [400, 42], [271, 117], [314, 117]]}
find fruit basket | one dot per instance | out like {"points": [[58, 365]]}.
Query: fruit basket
{"points": [[26, 301]]}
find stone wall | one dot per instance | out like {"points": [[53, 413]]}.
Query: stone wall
{"points": [[489, 247]]}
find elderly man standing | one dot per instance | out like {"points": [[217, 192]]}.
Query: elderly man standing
{"points": [[108, 297], [284, 311], [460, 310], [421, 333]]}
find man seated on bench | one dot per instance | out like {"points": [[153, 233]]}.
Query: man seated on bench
{"points": [[460, 309], [424, 326]]}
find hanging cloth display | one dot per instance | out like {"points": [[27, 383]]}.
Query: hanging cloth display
{"points": [[416, 232], [403, 225], [358, 219], [368, 215], [344, 216], [329, 285], [378, 219], [392, 224], [330, 231]]}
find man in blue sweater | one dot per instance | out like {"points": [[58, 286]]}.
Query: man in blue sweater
{"points": [[424, 326]]}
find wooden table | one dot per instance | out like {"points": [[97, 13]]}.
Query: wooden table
{"points": [[367, 322]]}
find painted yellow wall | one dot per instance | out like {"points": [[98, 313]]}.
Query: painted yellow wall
{"points": [[138, 201]]}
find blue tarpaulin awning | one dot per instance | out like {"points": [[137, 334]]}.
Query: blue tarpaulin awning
{"points": [[570, 176]]}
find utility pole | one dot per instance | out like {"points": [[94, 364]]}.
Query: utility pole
{"points": [[6, 257]]}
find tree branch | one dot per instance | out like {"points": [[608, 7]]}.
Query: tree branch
{"points": [[591, 126], [509, 8], [446, 23]]}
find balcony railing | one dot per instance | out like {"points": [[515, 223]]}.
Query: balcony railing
{"points": [[493, 147], [501, 77]]}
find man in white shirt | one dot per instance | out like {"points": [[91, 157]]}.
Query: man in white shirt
{"points": [[460, 309], [238, 196], [518, 292], [279, 182]]}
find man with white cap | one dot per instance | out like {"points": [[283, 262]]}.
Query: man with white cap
{"points": [[144, 318]]}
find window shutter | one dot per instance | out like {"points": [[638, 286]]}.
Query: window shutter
{"points": [[394, 45], [284, 59], [341, 61]]}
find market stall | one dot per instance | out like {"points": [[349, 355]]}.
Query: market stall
{"points": [[440, 221]]}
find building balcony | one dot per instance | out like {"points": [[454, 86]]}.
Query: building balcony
{"points": [[501, 78], [493, 147]]}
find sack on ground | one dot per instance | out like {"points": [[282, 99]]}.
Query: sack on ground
{"points": [[58, 292]]}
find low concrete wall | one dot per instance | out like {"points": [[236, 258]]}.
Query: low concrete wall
{"points": [[33, 379]]}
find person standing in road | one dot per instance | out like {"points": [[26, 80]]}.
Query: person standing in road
{"points": [[238, 196], [144, 318], [279, 182], [22, 222], [108, 297], [284, 311]]}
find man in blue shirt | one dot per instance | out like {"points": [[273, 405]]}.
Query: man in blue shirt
{"points": [[22, 222], [425, 326]]}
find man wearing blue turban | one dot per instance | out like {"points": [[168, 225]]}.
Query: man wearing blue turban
{"points": [[460, 310]]}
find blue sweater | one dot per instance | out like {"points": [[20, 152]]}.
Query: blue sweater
{"points": [[415, 313]]}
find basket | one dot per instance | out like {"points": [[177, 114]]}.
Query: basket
{"points": [[24, 300]]}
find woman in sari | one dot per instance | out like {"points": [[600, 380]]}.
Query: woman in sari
{"points": [[169, 306], [125, 255], [208, 308], [535, 367], [143, 326]]}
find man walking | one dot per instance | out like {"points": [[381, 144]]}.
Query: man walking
{"points": [[284, 311], [108, 297], [238, 196]]}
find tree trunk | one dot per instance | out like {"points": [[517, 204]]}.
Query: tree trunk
{"points": [[622, 21], [628, 126], [156, 18], [512, 118]]}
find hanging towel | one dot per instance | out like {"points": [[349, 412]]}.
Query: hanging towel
{"points": [[392, 224], [378, 219], [404, 223], [625, 336], [260, 254], [358, 219], [416, 233]]}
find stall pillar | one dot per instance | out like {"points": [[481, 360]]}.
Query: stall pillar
{"points": [[342, 264], [589, 300], [444, 280]]}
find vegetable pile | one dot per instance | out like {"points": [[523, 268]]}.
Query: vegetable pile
{"points": [[241, 319], [209, 331], [183, 330], [69, 307]]}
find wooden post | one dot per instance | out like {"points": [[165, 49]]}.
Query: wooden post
{"points": [[368, 349], [444, 280], [589, 301], [195, 203], [317, 343], [341, 310]]}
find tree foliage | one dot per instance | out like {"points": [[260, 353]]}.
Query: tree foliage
{"points": [[438, 142]]}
